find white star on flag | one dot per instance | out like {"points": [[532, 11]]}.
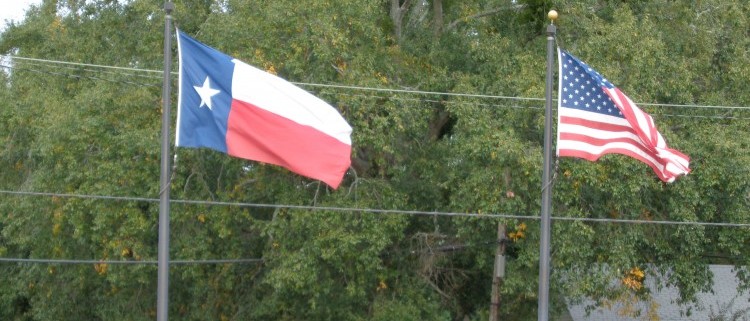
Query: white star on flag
{"points": [[206, 92]]}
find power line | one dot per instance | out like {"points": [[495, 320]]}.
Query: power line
{"points": [[420, 92], [466, 103], [116, 262], [81, 64], [630, 221], [379, 211], [79, 76], [517, 106], [704, 117], [74, 68], [258, 205], [101, 197], [390, 90], [695, 106], [421, 100]]}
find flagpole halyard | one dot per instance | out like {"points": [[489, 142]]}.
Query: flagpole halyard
{"points": [[162, 294], [544, 241]]}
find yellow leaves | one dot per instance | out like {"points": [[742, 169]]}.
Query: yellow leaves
{"points": [[341, 64], [101, 268], [381, 286], [56, 25], [57, 214], [267, 65], [56, 229], [270, 69], [519, 233], [381, 77], [202, 218], [647, 215], [638, 273], [631, 283], [633, 279], [57, 217]]}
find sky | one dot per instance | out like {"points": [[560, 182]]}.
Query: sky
{"points": [[14, 10]]}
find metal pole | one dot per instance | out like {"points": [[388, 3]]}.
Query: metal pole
{"points": [[544, 241], [162, 294]]}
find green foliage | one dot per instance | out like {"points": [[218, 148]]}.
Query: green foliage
{"points": [[71, 129]]}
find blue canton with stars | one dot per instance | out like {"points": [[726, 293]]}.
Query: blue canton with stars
{"points": [[581, 87]]}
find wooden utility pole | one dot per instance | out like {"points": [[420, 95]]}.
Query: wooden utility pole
{"points": [[499, 272]]}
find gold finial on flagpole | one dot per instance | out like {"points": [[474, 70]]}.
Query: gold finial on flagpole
{"points": [[552, 15]]}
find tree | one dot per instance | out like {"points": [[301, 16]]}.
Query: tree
{"points": [[422, 145]]}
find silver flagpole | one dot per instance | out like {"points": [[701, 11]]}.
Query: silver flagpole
{"points": [[544, 242], [162, 292]]}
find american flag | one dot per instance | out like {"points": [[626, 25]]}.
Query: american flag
{"points": [[595, 118]]}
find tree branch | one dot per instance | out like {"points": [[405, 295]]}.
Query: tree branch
{"points": [[436, 287], [437, 9], [482, 14], [397, 15]]}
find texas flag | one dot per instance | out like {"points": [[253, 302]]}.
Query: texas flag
{"points": [[232, 107]]}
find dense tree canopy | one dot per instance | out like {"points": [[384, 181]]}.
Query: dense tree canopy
{"points": [[444, 99]]}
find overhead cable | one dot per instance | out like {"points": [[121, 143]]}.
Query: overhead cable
{"points": [[133, 262], [454, 102], [390, 90], [380, 211], [79, 76]]}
